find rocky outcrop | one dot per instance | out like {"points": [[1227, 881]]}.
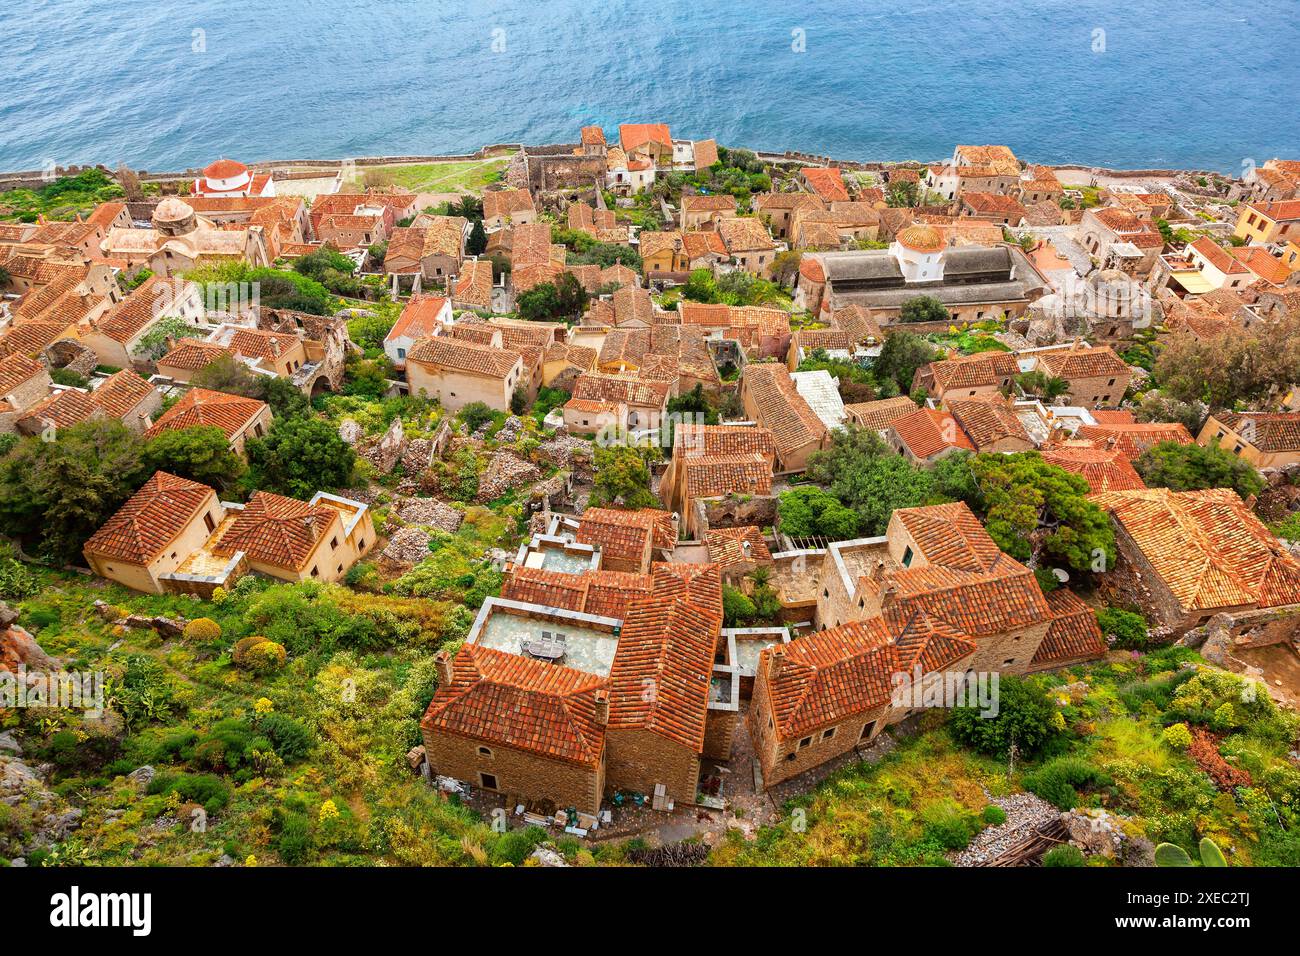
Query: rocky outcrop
{"points": [[430, 513], [505, 472]]}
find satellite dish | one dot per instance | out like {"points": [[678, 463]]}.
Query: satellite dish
{"points": [[1061, 575]]}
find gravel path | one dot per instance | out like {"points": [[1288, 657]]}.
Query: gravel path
{"points": [[1025, 812]]}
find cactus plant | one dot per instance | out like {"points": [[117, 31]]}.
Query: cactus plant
{"points": [[1167, 854]]}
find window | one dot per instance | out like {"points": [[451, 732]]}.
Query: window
{"points": [[401, 353], [209, 523], [334, 542], [828, 733], [488, 781], [315, 572], [257, 429], [485, 751], [361, 545], [1009, 661], [1111, 382], [826, 592], [790, 755], [807, 741], [907, 556], [867, 730]]}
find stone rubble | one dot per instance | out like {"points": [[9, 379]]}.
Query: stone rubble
{"points": [[1025, 813], [407, 546], [431, 513], [505, 472]]}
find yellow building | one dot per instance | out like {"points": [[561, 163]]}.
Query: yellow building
{"points": [[1268, 222], [1266, 440]]}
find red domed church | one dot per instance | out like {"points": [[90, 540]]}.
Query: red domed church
{"points": [[228, 178]]}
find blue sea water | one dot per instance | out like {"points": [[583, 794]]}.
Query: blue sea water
{"points": [[166, 84]]}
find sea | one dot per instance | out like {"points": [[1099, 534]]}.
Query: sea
{"points": [[165, 85]]}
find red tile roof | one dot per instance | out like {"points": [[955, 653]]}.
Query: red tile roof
{"points": [[780, 408], [514, 701], [1207, 547], [632, 135], [659, 680], [826, 182], [928, 431], [150, 519], [15, 370], [1132, 440], [1073, 634], [277, 530], [445, 351], [1105, 469], [199, 406], [419, 318], [1267, 431], [727, 547]]}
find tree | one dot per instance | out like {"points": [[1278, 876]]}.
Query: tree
{"points": [[863, 473], [1180, 467], [298, 457], [61, 491], [1157, 407], [808, 510], [570, 297], [1035, 509], [1041, 384], [1025, 718], [153, 344], [1232, 366], [923, 308], [477, 241], [201, 454], [902, 193], [475, 415], [5, 277], [623, 477], [901, 355], [228, 374], [785, 266], [538, 304]]}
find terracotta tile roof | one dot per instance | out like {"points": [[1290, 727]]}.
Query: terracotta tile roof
{"points": [[579, 356], [706, 153], [667, 647], [826, 182], [928, 431], [611, 593], [193, 354], [711, 203], [1206, 546], [1287, 210], [1073, 634], [63, 409], [744, 235], [974, 371], [530, 244], [780, 408], [1262, 263], [30, 338], [833, 675], [697, 245], [1113, 416], [15, 370], [880, 414], [588, 219], [812, 269], [705, 440], [994, 204], [652, 243], [447, 352], [622, 388], [701, 584], [986, 422], [1105, 469], [1000, 160], [134, 313], [121, 393], [507, 202], [1217, 256], [441, 236], [1132, 440], [261, 344], [727, 547], [277, 530], [623, 535], [150, 519], [514, 701], [714, 476], [1269, 432], [593, 136], [633, 135], [474, 284], [199, 406]]}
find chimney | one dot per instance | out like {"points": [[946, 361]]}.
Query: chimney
{"points": [[601, 700], [746, 547], [1076, 344], [1250, 502], [275, 347], [775, 662], [878, 570], [442, 660]]}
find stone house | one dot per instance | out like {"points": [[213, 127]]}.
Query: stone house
{"points": [[23, 383], [1266, 440], [1186, 556], [1097, 375], [771, 399], [507, 207], [116, 337], [238, 418], [748, 244], [703, 212], [458, 372], [423, 317]]}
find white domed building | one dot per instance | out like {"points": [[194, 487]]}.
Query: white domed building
{"points": [[227, 178], [919, 252]]}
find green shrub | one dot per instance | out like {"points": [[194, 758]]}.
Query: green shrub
{"points": [[1130, 629], [949, 824], [1025, 715], [737, 609], [1177, 736], [203, 630], [202, 788], [994, 815], [1064, 855], [1058, 781], [291, 740], [16, 582], [294, 839]]}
